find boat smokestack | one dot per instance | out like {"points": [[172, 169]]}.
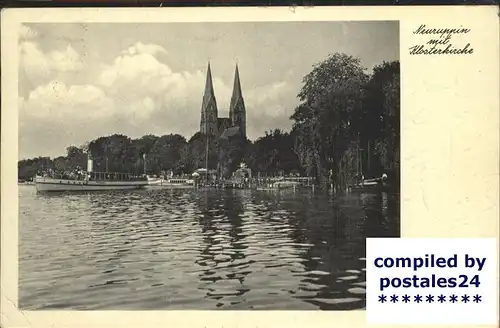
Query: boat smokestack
{"points": [[90, 163]]}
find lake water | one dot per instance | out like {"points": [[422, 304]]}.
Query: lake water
{"points": [[199, 250]]}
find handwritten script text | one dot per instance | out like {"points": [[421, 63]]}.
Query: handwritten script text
{"points": [[440, 42]]}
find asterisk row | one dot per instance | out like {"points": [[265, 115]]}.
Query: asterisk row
{"points": [[429, 298]]}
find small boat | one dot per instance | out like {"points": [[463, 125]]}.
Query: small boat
{"points": [[375, 185], [284, 184], [26, 182], [154, 181], [281, 184], [176, 183]]}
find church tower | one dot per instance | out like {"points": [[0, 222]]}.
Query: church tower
{"points": [[208, 123], [237, 112]]}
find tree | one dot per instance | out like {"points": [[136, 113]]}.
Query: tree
{"points": [[166, 153], [380, 118], [388, 144], [144, 145], [61, 164], [331, 97], [195, 154], [29, 168], [75, 157], [231, 152], [274, 154], [114, 154]]}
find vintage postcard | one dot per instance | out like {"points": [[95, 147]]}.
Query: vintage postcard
{"points": [[232, 162]]}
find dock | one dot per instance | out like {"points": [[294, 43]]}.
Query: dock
{"points": [[275, 183]]}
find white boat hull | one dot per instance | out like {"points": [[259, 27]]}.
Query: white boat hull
{"points": [[284, 185], [172, 185], [176, 185], [50, 184], [155, 182]]}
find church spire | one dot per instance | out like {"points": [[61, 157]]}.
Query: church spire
{"points": [[209, 89], [237, 112], [208, 123], [237, 95]]}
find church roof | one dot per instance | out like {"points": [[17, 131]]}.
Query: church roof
{"points": [[237, 94], [223, 123], [209, 94], [230, 132]]}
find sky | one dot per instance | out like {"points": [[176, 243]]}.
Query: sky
{"points": [[78, 82]]}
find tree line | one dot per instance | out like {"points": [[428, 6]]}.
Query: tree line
{"points": [[346, 124]]}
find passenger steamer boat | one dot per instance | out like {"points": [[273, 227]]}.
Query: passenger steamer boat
{"points": [[95, 182], [91, 181]]}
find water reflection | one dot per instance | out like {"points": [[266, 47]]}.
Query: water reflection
{"points": [[382, 215], [222, 258], [187, 249]]}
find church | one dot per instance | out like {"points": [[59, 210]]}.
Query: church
{"points": [[211, 123]]}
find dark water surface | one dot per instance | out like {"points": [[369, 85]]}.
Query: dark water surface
{"points": [[188, 249]]}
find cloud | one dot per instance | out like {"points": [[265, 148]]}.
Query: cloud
{"points": [[67, 60], [271, 100], [56, 115], [40, 67], [147, 88], [140, 48], [135, 94], [58, 102], [26, 33]]}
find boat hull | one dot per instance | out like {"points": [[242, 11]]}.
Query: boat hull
{"points": [[171, 186], [155, 182], [174, 184], [49, 184], [365, 190], [370, 189]]}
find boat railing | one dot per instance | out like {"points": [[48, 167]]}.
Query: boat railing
{"points": [[94, 176], [63, 176], [261, 181], [302, 180], [178, 180], [115, 176]]}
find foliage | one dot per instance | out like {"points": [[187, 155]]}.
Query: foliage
{"points": [[348, 122], [273, 154], [165, 153], [231, 152], [331, 99], [28, 168]]}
